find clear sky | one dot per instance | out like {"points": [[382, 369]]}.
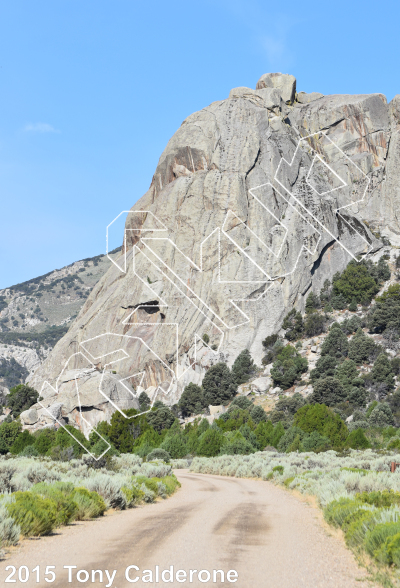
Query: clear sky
{"points": [[92, 90]]}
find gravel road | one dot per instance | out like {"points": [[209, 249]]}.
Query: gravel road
{"points": [[265, 534]]}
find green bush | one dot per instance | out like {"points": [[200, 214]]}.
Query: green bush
{"points": [[378, 536], [160, 418], [329, 391], [236, 444], [389, 552], [293, 325], [356, 283], [175, 445], [60, 494], [243, 367], [288, 367], [315, 442], [362, 348], [210, 443], [314, 325], [258, 414], [44, 440], [159, 453], [89, 504], [288, 438], [264, 434], [379, 498], [8, 435], [357, 440], [381, 416], [335, 344], [242, 402], [35, 515], [219, 385], [192, 400], [325, 366], [24, 439], [318, 417], [382, 371], [21, 398]]}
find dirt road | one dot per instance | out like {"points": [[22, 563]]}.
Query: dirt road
{"points": [[266, 535]]}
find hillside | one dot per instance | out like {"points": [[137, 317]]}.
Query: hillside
{"points": [[35, 314]]}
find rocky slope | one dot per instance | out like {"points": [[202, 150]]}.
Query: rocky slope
{"points": [[34, 315], [256, 200]]}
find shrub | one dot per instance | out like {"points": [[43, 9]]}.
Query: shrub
{"points": [[242, 402], [312, 303], [264, 433], [8, 434], [357, 440], [385, 314], [21, 398], [24, 439], [123, 431], [9, 530], [160, 418], [293, 325], [382, 371], [379, 498], [335, 344], [289, 437], [192, 400], [381, 416], [315, 442], [314, 325], [338, 302], [243, 367], [378, 535], [318, 417], [287, 368], [175, 445], [353, 305], [356, 283], [60, 494], [210, 443], [258, 414], [35, 515], [159, 453], [44, 440], [219, 385], [362, 348], [236, 444], [30, 451], [329, 391], [90, 505], [289, 405], [324, 367], [144, 401]]}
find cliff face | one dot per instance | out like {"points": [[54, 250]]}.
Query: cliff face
{"points": [[256, 200]]}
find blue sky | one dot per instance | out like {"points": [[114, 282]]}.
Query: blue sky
{"points": [[91, 91]]}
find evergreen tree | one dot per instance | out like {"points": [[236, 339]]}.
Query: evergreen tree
{"points": [[218, 384], [243, 367], [21, 398], [362, 348], [335, 344], [329, 391], [191, 400], [293, 325], [382, 371]]}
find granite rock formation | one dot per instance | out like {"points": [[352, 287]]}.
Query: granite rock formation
{"points": [[255, 201]]}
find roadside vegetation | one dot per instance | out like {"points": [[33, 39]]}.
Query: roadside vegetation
{"points": [[331, 428], [37, 495]]}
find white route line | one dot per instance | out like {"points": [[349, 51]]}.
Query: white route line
{"points": [[218, 231], [336, 210]]}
